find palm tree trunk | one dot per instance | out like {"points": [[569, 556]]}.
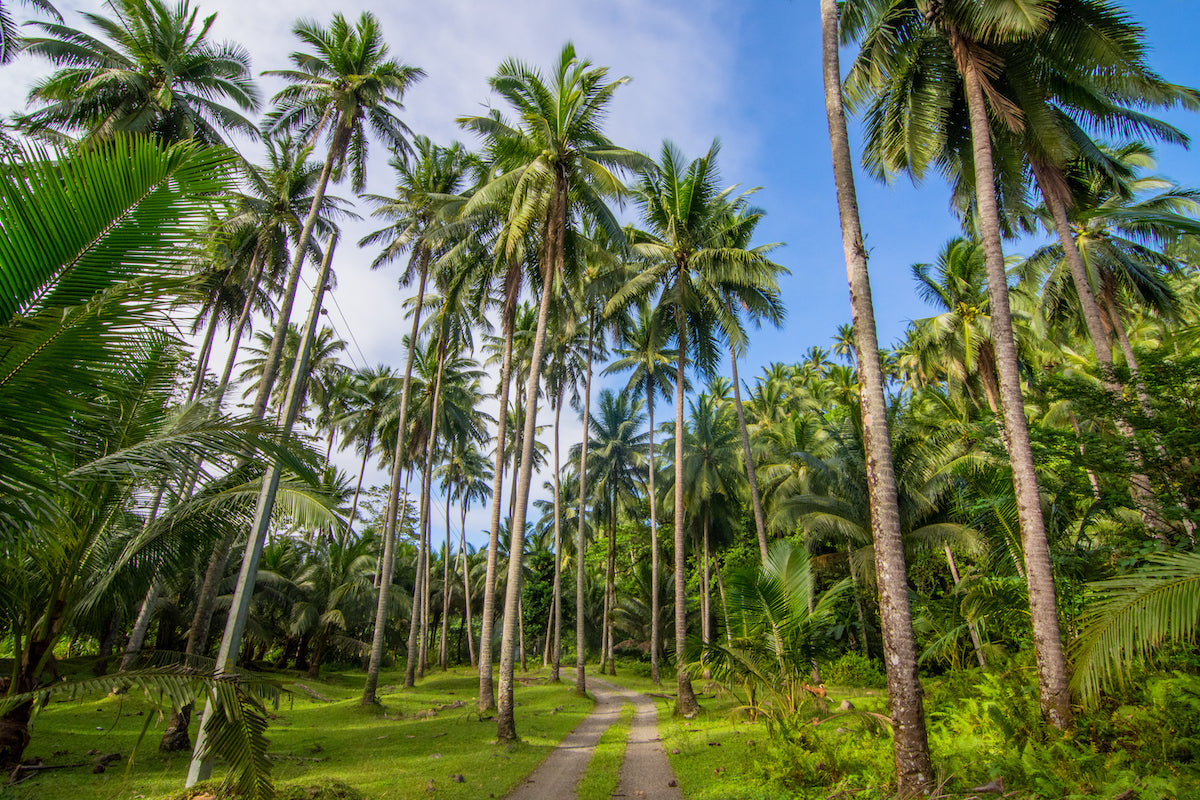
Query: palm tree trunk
{"points": [[1052, 665], [610, 587], [685, 699], [204, 353], [521, 630], [201, 764], [556, 663], [655, 634], [858, 603], [724, 607], [362, 470], [705, 588], [393, 507], [580, 543], [556, 230], [914, 771], [487, 692], [462, 551], [971, 628], [443, 649], [756, 501]]}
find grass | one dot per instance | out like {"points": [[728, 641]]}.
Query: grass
{"points": [[396, 751], [604, 769]]}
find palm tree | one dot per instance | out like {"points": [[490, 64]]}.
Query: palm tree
{"points": [[422, 189], [615, 465], [964, 35], [646, 354], [152, 71], [697, 276], [10, 42], [914, 771], [373, 394], [555, 165]]}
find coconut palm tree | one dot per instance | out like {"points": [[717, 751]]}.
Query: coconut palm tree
{"points": [[552, 168], [910, 34], [426, 186], [914, 771], [373, 393], [696, 276], [10, 42], [646, 355], [152, 70]]}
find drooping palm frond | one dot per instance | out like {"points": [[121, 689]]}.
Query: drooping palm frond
{"points": [[1131, 615], [237, 731]]}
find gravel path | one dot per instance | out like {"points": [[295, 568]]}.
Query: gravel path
{"points": [[646, 773]]}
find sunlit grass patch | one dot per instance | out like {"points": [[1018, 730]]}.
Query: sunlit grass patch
{"points": [[604, 769]]}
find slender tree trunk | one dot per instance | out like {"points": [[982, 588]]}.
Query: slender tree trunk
{"points": [[227, 656], [487, 692], [971, 628], [655, 634], [443, 649], [393, 507], [580, 543], [362, 470], [858, 603], [1052, 666], [755, 500], [685, 699], [705, 589], [914, 772], [724, 606], [555, 231], [521, 630], [610, 587], [462, 549], [204, 353], [556, 650]]}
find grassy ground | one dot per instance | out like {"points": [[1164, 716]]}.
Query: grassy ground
{"points": [[395, 752], [604, 770]]}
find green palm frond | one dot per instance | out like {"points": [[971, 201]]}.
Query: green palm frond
{"points": [[1131, 615], [237, 731]]}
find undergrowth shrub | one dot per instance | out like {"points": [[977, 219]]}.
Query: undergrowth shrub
{"points": [[855, 669]]}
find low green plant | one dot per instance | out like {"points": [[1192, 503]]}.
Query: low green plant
{"points": [[855, 669], [603, 772]]}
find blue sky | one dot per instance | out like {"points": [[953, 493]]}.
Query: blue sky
{"points": [[746, 72]]}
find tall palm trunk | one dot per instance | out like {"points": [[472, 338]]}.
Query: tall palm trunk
{"points": [[914, 772], [655, 633], [487, 691], [204, 352], [755, 499], [555, 231], [422, 587], [610, 586], [1055, 192], [227, 655], [462, 551], [443, 648], [1052, 665], [580, 543], [362, 470], [685, 700], [388, 559], [556, 650]]}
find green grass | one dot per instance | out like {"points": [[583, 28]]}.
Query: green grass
{"points": [[386, 752], [604, 769]]}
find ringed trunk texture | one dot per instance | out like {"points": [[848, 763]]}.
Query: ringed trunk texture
{"points": [[655, 633], [914, 772], [1052, 666]]}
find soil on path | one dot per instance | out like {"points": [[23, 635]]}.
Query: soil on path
{"points": [[646, 772]]}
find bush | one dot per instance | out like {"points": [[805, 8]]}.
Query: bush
{"points": [[855, 669]]}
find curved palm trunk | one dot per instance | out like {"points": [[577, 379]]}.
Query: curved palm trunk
{"points": [[556, 651], [580, 544], [655, 634], [506, 729], [1052, 665], [204, 353], [914, 772], [389, 527], [487, 692], [1055, 192], [755, 499], [974, 631], [685, 700], [231, 641]]}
